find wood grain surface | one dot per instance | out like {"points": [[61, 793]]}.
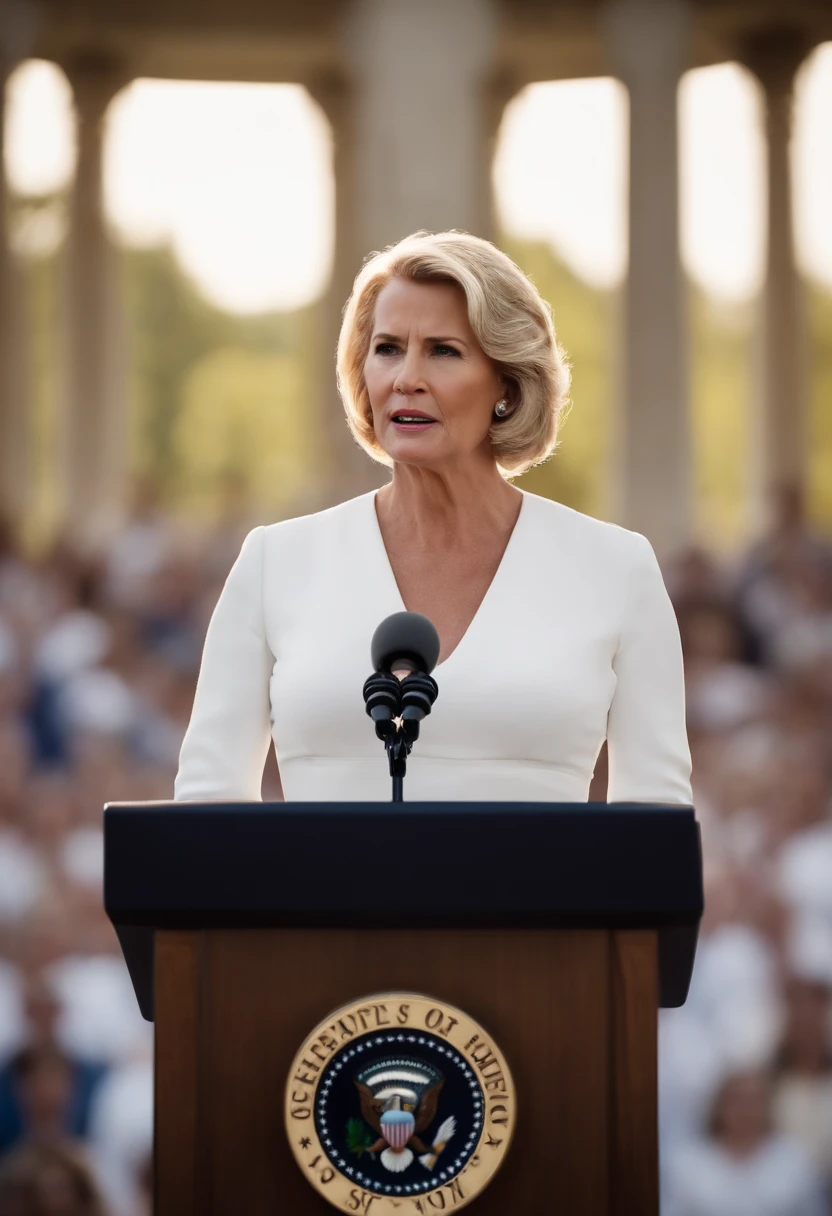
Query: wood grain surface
{"points": [[176, 1140], [634, 1131], [233, 1007]]}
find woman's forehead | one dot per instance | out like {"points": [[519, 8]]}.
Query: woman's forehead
{"points": [[436, 308]]}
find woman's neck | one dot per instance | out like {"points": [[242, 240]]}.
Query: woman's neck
{"points": [[434, 504]]}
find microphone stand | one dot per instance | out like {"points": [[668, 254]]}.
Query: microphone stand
{"points": [[398, 747], [397, 707]]}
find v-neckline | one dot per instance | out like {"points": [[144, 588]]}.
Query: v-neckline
{"points": [[500, 571]]}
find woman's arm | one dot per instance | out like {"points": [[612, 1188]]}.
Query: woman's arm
{"points": [[227, 739], [649, 757]]}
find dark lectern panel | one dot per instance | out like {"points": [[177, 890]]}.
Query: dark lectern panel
{"points": [[634, 1179], [547, 1001], [408, 865]]}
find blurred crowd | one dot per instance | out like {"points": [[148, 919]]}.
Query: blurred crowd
{"points": [[745, 1066], [98, 664]]}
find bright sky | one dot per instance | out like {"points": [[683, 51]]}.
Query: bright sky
{"points": [[237, 176]]}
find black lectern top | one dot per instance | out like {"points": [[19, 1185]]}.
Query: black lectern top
{"points": [[505, 865]]}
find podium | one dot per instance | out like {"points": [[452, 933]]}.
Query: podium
{"points": [[560, 927]]}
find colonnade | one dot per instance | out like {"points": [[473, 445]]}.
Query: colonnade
{"points": [[780, 436], [415, 106], [91, 388]]}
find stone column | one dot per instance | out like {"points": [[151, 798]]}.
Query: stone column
{"points": [[779, 428], [501, 87], [420, 68], [17, 30], [94, 415], [346, 469], [412, 149], [647, 44]]}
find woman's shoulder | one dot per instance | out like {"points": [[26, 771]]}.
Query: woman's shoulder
{"points": [[552, 524], [326, 521], [598, 536]]}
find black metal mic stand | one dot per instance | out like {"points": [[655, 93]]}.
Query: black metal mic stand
{"points": [[397, 707]]}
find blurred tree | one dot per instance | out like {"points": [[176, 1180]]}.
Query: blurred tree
{"points": [[819, 497], [46, 501], [721, 386], [577, 473], [173, 328], [242, 415]]}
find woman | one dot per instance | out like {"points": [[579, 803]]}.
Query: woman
{"points": [[556, 629]]}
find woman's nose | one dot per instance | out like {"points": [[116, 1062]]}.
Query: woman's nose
{"points": [[409, 376]]}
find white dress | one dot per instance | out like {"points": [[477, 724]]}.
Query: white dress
{"points": [[576, 640]]}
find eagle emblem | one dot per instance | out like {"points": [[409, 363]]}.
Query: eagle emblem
{"points": [[399, 1101]]}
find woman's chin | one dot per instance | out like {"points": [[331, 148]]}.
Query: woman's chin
{"points": [[413, 451]]}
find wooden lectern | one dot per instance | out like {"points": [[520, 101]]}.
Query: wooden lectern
{"points": [[561, 928]]}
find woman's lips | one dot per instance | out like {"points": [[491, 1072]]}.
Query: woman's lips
{"points": [[421, 425]]}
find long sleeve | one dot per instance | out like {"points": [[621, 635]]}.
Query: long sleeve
{"points": [[649, 756], [227, 740]]}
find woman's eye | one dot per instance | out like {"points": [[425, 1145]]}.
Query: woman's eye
{"points": [[385, 348]]}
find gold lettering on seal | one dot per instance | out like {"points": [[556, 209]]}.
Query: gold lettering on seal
{"points": [[493, 1079], [360, 1201], [350, 1029], [442, 1200]]}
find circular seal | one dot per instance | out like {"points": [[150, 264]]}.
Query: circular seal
{"points": [[399, 1103]]}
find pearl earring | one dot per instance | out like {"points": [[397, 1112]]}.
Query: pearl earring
{"points": [[501, 408]]}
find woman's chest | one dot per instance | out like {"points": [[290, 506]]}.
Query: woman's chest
{"points": [[447, 587], [525, 667]]}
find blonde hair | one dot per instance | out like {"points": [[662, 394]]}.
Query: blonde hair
{"points": [[511, 321]]}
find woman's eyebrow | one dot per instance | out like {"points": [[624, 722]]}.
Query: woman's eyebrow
{"points": [[396, 338]]}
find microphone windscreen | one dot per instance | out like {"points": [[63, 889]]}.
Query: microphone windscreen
{"points": [[405, 635]]}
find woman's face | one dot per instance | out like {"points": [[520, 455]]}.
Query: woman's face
{"points": [[425, 359]]}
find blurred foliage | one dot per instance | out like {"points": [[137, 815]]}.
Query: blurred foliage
{"points": [[720, 387], [213, 395], [242, 418], [584, 323], [580, 472], [721, 378], [820, 411], [43, 296], [216, 398]]}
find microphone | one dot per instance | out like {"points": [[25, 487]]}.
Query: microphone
{"points": [[405, 641], [401, 690]]}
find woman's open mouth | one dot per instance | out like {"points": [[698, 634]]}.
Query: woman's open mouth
{"points": [[412, 422]]}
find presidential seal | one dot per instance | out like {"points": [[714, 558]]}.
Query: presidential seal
{"points": [[399, 1103]]}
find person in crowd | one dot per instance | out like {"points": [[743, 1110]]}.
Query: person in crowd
{"points": [[803, 1074], [742, 1165], [48, 1180], [45, 1093]]}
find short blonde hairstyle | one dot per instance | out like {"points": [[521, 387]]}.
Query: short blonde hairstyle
{"points": [[511, 321]]}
